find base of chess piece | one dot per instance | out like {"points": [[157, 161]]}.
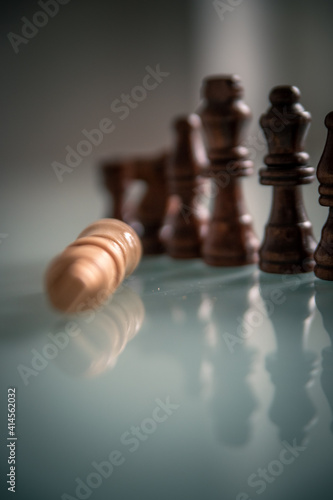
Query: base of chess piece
{"points": [[231, 239], [288, 246]]}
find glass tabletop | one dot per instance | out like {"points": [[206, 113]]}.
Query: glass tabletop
{"points": [[191, 382]]}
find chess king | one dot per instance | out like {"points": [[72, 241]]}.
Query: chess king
{"points": [[231, 240]]}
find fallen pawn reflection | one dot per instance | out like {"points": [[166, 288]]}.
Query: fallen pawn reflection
{"points": [[102, 334]]}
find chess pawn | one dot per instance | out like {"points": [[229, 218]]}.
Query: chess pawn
{"points": [[181, 232], [231, 240], [288, 244], [324, 251], [115, 176], [147, 218], [93, 266]]}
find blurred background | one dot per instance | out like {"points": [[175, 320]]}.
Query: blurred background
{"points": [[64, 78]]}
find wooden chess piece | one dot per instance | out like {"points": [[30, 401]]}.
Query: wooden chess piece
{"points": [[115, 175], [231, 240], [288, 244], [93, 266], [324, 252], [181, 232], [147, 218]]}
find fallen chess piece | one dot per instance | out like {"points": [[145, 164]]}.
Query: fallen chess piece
{"points": [[93, 266]]}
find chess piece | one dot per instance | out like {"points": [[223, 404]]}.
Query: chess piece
{"points": [[290, 307], [147, 218], [115, 175], [288, 244], [230, 240], [93, 266], [181, 232], [324, 251], [324, 296]]}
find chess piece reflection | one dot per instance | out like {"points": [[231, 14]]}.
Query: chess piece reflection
{"points": [[324, 296], [290, 306], [230, 240], [99, 337], [229, 362], [175, 333], [288, 244]]}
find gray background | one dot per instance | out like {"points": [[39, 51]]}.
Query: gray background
{"points": [[65, 78]]}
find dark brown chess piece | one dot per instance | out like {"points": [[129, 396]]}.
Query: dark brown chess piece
{"points": [[324, 251], [115, 176], [288, 244], [181, 231], [147, 218], [231, 240]]}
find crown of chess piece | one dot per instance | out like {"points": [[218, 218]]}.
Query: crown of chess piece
{"points": [[93, 266], [324, 251], [288, 244], [290, 307], [101, 336], [148, 216], [181, 232], [231, 240]]}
